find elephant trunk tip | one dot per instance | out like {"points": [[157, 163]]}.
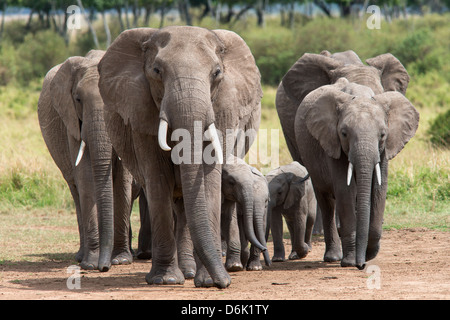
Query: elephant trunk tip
{"points": [[267, 260], [361, 266], [104, 268]]}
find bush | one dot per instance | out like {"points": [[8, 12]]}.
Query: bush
{"points": [[440, 130], [38, 54]]}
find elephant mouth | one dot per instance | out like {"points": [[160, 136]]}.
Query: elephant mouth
{"points": [[210, 134]]}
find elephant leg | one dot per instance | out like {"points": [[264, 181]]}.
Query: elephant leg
{"points": [[254, 262], [159, 188], [122, 211], [277, 236], [145, 233], [333, 250], [89, 220], [345, 210], [185, 248], [230, 231], [76, 200]]}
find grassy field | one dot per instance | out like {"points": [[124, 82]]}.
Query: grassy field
{"points": [[36, 208]]}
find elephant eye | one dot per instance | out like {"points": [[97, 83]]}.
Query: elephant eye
{"points": [[344, 133], [156, 70], [217, 73]]}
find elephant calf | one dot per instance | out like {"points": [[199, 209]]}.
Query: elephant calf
{"points": [[291, 196], [243, 188]]}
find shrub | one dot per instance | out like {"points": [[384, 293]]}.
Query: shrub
{"points": [[440, 130], [38, 54]]}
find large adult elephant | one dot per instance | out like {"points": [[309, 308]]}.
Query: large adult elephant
{"points": [[70, 112], [311, 71], [166, 83], [346, 134]]}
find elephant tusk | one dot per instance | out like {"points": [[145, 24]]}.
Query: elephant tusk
{"points": [[80, 152], [211, 134], [162, 135], [378, 172], [349, 173]]}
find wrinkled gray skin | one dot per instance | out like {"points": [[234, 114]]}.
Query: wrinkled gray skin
{"points": [[291, 197], [374, 135], [70, 110], [244, 188], [345, 141], [185, 76]]}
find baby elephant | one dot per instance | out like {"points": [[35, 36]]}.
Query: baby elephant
{"points": [[291, 195], [244, 188]]}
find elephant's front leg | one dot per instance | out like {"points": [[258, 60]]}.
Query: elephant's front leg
{"points": [[230, 231], [122, 211], [159, 191], [277, 236], [333, 250]]}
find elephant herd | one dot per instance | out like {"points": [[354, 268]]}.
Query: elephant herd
{"points": [[114, 121]]}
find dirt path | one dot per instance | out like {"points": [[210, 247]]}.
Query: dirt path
{"points": [[412, 264]]}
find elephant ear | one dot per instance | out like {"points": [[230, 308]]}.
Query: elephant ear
{"points": [[61, 89], [319, 110], [403, 121], [296, 191], [394, 76], [241, 87], [310, 72], [123, 84]]}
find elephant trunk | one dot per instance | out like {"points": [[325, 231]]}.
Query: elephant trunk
{"points": [[365, 164], [101, 155], [253, 222]]}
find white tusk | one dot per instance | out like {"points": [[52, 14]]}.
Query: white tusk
{"points": [[349, 173], [211, 134], [378, 172], [80, 152], [162, 135]]}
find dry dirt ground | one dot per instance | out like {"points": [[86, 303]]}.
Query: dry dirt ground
{"points": [[412, 264]]}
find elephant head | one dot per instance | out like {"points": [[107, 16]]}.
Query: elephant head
{"points": [[71, 90], [367, 130], [311, 71], [155, 82]]}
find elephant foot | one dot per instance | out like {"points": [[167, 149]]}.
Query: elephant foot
{"points": [[254, 264], [79, 255], [332, 255], [203, 279], [187, 267], [278, 259], [233, 263], [123, 257], [144, 255], [90, 260], [165, 276]]}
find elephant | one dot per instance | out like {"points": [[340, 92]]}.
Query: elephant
{"points": [[346, 133], [187, 83], [70, 112], [244, 188], [311, 71], [291, 196]]}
